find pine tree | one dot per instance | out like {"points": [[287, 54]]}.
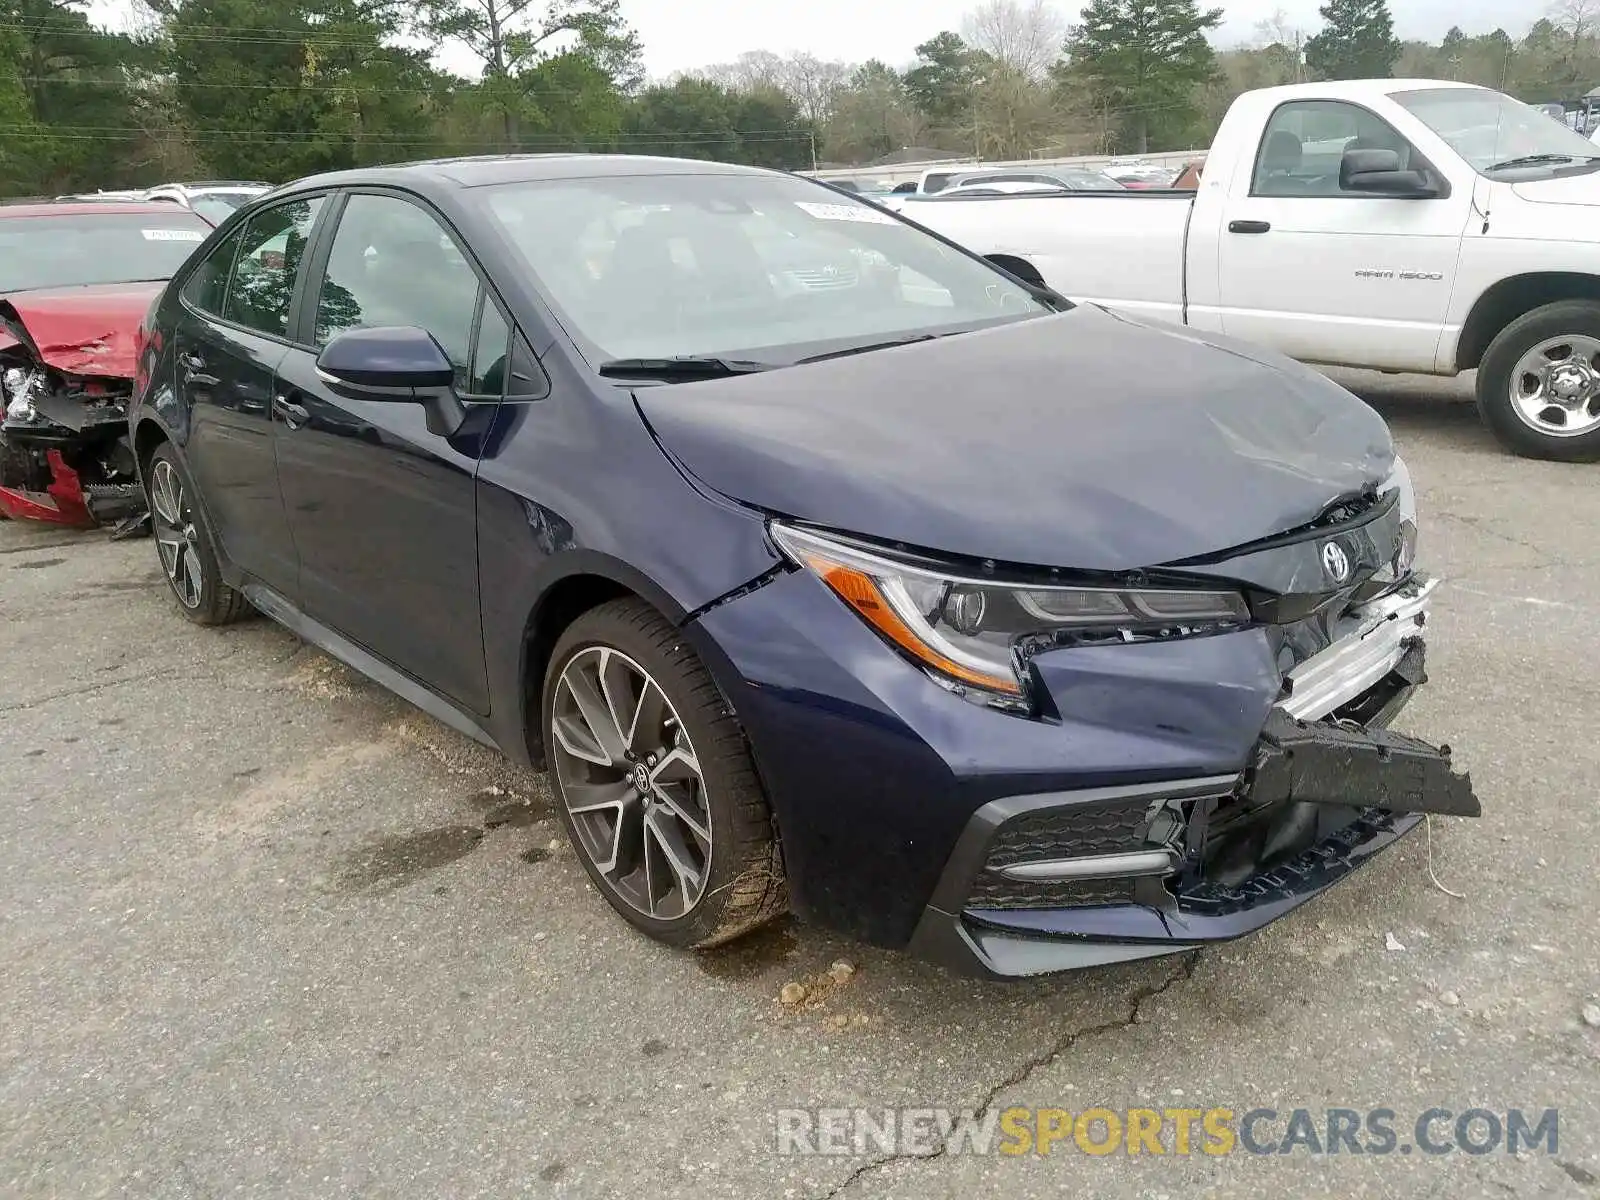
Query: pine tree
{"points": [[1357, 42], [1144, 60]]}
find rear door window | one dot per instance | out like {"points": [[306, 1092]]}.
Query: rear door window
{"points": [[271, 249]]}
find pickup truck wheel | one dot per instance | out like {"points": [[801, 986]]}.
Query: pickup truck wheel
{"points": [[1539, 383], [654, 781]]}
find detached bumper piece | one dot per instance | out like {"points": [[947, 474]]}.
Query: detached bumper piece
{"points": [[1329, 764]]}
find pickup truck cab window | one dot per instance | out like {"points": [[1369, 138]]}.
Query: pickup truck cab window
{"points": [[1499, 137], [1305, 141]]}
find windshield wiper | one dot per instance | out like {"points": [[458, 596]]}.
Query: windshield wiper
{"points": [[680, 366], [869, 347], [1534, 160]]}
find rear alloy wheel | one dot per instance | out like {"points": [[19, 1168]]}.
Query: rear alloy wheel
{"points": [[655, 783], [183, 543], [1539, 383]]}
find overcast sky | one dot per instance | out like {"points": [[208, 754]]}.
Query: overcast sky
{"points": [[680, 34]]}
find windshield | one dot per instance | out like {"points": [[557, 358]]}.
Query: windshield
{"points": [[92, 248], [1492, 132], [760, 267]]}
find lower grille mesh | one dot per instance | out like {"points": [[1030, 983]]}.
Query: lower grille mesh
{"points": [[996, 891], [1079, 832]]}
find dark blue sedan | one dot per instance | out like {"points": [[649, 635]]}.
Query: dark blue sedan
{"points": [[826, 566]]}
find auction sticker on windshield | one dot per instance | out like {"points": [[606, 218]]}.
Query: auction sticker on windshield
{"points": [[173, 235], [846, 212]]}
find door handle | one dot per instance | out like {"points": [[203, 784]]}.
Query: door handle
{"points": [[1249, 226], [194, 370], [294, 415]]}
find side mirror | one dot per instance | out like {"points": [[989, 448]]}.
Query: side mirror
{"points": [[395, 364], [1378, 173]]}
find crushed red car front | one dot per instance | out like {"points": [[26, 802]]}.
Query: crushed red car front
{"points": [[68, 357]]}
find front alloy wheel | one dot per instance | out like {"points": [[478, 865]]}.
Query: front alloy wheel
{"points": [[654, 781], [631, 783]]}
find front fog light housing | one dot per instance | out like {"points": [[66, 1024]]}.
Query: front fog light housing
{"points": [[973, 634]]}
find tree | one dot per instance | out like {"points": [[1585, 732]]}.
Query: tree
{"points": [[807, 80], [1012, 114], [942, 81], [872, 116], [516, 40], [697, 118], [277, 89], [65, 92], [1024, 36], [1357, 41], [1144, 62]]}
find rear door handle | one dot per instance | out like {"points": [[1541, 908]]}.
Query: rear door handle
{"points": [[1249, 226], [294, 415], [194, 371]]}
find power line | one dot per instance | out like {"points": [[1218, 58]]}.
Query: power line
{"points": [[445, 87]]}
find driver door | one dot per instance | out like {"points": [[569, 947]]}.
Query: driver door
{"points": [[383, 511], [1328, 275]]}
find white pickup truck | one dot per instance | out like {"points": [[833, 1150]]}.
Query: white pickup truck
{"points": [[1399, 225]]}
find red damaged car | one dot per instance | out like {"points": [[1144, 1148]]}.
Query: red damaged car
{"points": [[75, 282]]}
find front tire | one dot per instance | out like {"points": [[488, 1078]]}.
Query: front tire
{"points": [[1539, 383], [184, 543], [654, 781]]}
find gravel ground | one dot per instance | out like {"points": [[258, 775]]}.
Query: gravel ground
{"points": [[268, 931]]}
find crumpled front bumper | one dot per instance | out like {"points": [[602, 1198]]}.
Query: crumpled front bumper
{"points": [[1043, 883]]}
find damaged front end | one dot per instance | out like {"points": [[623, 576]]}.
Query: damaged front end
{"points": [[1047, 882], [65, 457]]}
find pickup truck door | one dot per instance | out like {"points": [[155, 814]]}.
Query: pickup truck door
{"points": [[1328, 275]]}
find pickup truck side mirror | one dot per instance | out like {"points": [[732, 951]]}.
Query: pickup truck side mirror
{"points": [[1377, 172]]}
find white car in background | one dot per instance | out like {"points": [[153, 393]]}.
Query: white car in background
{"points": [[214, 200]]}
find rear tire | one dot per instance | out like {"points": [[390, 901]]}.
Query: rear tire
{"points": [[1551, 353], [656, 788], [185, 543]]}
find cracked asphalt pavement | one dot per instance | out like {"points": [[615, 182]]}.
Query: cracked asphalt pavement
{"points": [[267, 930]]}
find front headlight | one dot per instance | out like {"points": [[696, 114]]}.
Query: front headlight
{"points": [[977, 634], [1400, 480]]}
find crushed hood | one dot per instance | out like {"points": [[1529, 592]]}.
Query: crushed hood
{"points": [[90, 330], [1080, 440]]}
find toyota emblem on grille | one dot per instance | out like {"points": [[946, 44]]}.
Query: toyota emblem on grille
{"points": [[1335, 562]]}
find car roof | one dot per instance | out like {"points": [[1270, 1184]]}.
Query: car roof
{"points": [[81, 208], [482, 170]]}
